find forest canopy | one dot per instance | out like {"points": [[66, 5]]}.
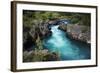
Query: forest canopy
{"points": [[35, 17]]}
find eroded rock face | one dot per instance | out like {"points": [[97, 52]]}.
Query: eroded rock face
{"points": [[42, 30], [40, 55], [77, 32], [30, 34], [63, 27], [51, 57]]}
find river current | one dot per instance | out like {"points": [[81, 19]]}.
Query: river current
{"points": [[67, 48]]}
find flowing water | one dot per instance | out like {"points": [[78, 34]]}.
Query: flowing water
{"points": [[67, 48]]}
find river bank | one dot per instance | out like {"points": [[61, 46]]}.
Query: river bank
{"points": [[68, 48], [77, 32], [57, 40]]}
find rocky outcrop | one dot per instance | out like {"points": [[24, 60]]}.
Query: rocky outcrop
{"points": [[40, 55], [77, 32], [42, 30], [30, 34], [63, 27], [51, 57]]}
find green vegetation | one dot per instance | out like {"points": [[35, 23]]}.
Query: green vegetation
{"points": [[40, 54], [35, 17], [81, 18], [38, 50], [37, 21]]}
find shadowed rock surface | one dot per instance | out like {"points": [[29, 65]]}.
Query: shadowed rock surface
{"points": [[41, 55]]}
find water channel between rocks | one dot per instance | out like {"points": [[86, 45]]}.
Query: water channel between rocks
{"points": [[67, 48]]}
